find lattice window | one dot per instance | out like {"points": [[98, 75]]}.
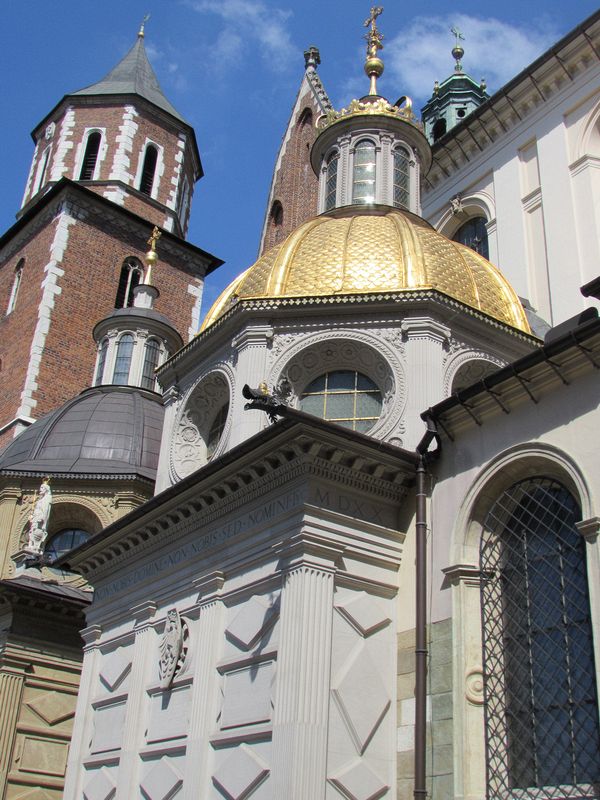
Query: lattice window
{"points": [[363, 177], [542, 732], [123, 359], [474, 234], [101, 363], [151, 355], [331, 182], [401, 178], [345, 397]]}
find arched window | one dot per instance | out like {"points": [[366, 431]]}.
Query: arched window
{"points": [[101, 363], [541, 709], [12, 300], [439, 129], [88, 165], [41, 171], [474, 234], [363, 177], [401, 178], [123, 359], [331, 181], [148, 169], [216, 430], [345, 397], [131, 276], [151, 354], [277, 214], [60, 543]]}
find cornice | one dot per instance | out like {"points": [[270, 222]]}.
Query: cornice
{"points": [[198, 504]]}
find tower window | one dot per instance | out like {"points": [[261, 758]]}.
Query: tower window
{"points": [[148, 169], [541, 707], [101, 363], [41, 172], [401, 178], [12, 300], [277, 214], [363, 178], [88, 165], [151, 354], [123, 359], [439, 129], [131, 276], [345, 397], [474, 234], [331, 182]]}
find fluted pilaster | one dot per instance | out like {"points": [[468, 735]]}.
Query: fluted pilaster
{"points": [[11, 689]]}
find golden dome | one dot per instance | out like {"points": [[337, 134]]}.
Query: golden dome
{"points": [[358, 250]]}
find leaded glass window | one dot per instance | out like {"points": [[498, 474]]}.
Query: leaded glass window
{"points": [[216, 430], [345, 397], [151, 354], [123, 359], [363, 177], [65, 540], [401, 178], [331, 182], [101, 363], [541, 710], [474, 234]]}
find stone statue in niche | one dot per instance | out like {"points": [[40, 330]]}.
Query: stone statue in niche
{"points": [[38, 522], [171, 649]]}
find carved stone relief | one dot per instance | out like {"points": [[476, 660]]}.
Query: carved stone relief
{"points": [[173, 648], [464, 368], [202, 403]]}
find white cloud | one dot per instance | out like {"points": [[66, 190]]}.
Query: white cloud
{"points": [[494, 50], [249, 23]]}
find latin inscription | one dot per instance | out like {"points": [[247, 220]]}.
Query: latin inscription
{"points": [[214, 538]]}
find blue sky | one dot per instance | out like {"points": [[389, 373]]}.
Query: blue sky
{"points": [[232, 69]]}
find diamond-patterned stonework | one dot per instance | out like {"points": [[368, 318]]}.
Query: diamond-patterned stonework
{"points": [[34, 794], [359, 782], [248, 625], [162, 782], [53, 707], [240, 774], [114, 670], [100, 786], [364, 613], [362, 698]]}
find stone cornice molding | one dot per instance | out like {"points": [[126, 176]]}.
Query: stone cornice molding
{"points": [[425, 328], [583, 163], [253, 336], [310, 551], [469, 574], [370, 470]]}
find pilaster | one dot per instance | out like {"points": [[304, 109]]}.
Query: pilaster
{"points": [[12, 679], [204, 708], [9, 500], [252, 345], [300, 717]]}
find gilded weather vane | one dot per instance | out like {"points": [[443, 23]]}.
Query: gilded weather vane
{"points": [[143, 25], [457, 51], [454, 30]]}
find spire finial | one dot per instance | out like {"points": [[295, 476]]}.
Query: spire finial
{"points": [[142, 26], [373, 64], [457, 51], [151, 255]]}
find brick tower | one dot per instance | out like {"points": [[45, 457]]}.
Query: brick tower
{"points": [[111, 161]]}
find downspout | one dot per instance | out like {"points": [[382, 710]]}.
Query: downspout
{"points": [[421, 652]]}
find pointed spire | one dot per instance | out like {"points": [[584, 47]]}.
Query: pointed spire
{"points": [[133, 75]]}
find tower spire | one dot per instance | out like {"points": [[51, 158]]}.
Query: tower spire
{"points": [[373, 64]]}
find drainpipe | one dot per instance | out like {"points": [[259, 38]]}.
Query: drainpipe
{"points": [[420, 788]]}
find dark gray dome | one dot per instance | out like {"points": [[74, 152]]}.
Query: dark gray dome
{"points": [[109, 430]]}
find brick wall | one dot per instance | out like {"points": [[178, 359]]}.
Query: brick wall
{"points": [[295, 185]]}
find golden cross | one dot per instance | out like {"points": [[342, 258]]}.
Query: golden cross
{"points": [[375, 12], [156, 234], [143, 25]]}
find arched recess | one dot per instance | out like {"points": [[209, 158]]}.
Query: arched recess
{"points": [[203, 417], [464, 575], [468, 368], [477, 204], [585, 178]]}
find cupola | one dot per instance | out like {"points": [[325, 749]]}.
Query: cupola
{"points": [[372, 151], [453, 99]]}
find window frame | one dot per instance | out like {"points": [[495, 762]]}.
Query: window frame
{"points": [[364, 144]]}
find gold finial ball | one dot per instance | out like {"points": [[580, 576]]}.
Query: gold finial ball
{"points": [[374, 66], [151, 257]]}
